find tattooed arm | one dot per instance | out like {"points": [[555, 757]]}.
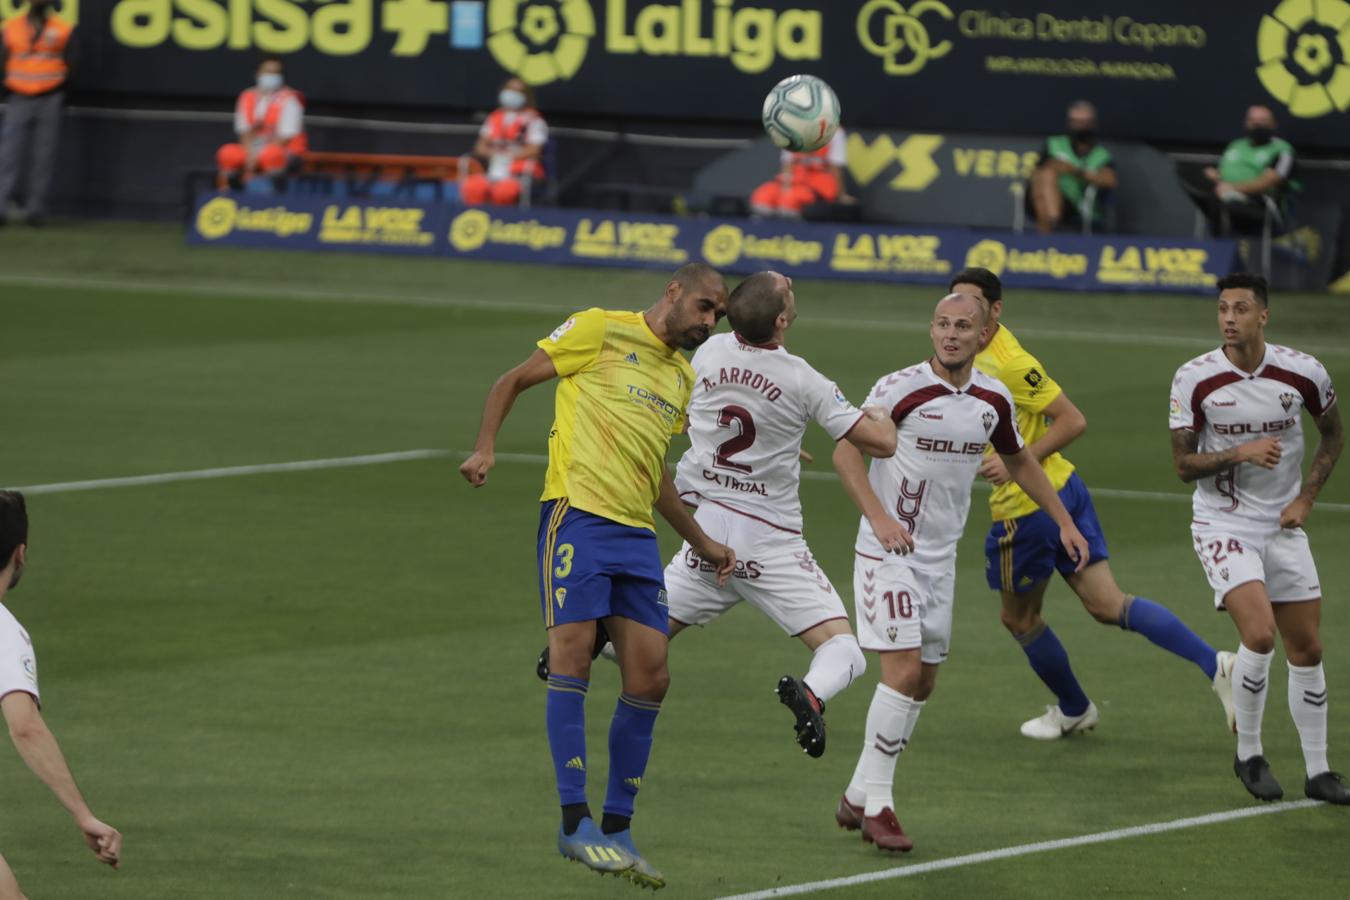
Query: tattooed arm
{"points": [[1324, 460], [1192, 465]]}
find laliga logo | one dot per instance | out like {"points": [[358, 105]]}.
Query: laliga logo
{"points": [[722, 245], [528, 39], [902, 31], [469, 231], [991, 255], [216, 219], [1303, 50]]}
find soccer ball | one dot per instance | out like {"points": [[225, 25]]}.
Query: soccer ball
{"points": [[801, 113]]}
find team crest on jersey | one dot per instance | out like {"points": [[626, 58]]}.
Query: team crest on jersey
{"points": [[1223, 573], [988, 419], [1287, 400], [561, 596], [562, 329], [891, 632]]}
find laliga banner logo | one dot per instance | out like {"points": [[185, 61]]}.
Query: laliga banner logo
{"points": [[540, 42], [1303, 51], [902, 31]]}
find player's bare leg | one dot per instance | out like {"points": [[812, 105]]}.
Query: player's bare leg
{"points": [[1250, 608], [868, 802], [1299, 625], [1103, 599], [1046, 200], [9, 885], [1074, 713], [640, 651], [600, 646], [836, 660]]}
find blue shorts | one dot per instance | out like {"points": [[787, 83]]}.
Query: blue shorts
{"points": [[1021, 553], [591, 567]]}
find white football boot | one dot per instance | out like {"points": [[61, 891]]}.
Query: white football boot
{"points": [[1223, 685], [1054, 725]]}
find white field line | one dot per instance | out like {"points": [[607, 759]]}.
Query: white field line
{"points": [[374, 459], [303, 465], [450, 301], [972, 859]]}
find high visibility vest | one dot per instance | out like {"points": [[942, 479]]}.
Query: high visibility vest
{"points": [[510, 132], [271, 117], [35, 61]]}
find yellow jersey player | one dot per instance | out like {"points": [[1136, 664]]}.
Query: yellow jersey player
{"points": [[622, 395], [1023, 549]]}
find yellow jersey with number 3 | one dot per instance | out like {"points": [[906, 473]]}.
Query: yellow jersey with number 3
{"points": [[622, 395], [1032, 390]]}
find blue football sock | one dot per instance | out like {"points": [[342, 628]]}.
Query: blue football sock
{"points": [[1158, 623], [1050, 662], [565, 711], [630, 743]]}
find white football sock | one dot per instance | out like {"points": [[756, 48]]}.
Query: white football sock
{"points": [[885, 739], [834, 666], [1308, 706], [916, 707], [1251, 680]]}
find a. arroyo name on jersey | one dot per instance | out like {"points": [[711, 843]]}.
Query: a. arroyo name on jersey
{"points": [[1228, 407], [941, 434], [747, 415]]}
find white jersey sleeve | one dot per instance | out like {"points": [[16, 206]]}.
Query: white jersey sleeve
{"points": [[18, 664], [827, 404]]}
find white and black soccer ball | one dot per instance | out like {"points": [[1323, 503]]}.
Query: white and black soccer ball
{"points": [[801, 113]]}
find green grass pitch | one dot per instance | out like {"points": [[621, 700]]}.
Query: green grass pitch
{"points": [[320, 684]]}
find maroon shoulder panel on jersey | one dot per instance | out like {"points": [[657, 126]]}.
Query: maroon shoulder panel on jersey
{"points": [[915, 399], [1004, 436], [1202, 390], [1304, 385]]}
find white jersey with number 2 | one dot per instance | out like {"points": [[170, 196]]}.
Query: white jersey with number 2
{"points": [[749, 409]]}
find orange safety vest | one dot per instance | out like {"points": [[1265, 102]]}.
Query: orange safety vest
{"points": [[35, 61], [512, 133], [272, 115]]}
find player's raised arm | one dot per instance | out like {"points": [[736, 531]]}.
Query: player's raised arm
{"points": [[535, 370], [873, 434], [848, 462], [1324, 460], [673, 510], [1030, 477]]}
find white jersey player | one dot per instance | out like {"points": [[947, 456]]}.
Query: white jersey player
{"points": [[914, 508], [752, 401], [1237, 432]]}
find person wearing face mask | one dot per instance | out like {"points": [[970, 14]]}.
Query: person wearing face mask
{"points": [[1069, 164], [510, 142], [37, 55], [1232, 195], [270, 121]]}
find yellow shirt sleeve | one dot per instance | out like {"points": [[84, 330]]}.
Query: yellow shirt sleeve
{"points": [[1032, 389], [576, 343]]}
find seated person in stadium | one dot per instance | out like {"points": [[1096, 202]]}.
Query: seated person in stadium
{"points": [[808, 185], [1256, 165], [270, 121], [510, 142], [1069, 164]]}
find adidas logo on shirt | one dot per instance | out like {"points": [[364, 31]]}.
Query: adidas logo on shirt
{"points": [[631, 358]]}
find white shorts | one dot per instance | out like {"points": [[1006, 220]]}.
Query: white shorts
{"points": [[901, 607], [775, 573], [1234, 555]]}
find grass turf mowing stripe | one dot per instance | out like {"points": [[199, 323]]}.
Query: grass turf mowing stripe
{"points": [[328, 295], [971, 859]]}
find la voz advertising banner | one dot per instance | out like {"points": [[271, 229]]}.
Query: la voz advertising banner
{"points": [[1157, 69], [797, 249]]}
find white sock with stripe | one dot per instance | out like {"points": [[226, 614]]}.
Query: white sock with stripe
{"points": [[1308, 706], [884, 739], [834, 666], [1251, 680]]}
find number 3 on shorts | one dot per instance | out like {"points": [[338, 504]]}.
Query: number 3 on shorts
{"points": [[564, 567]]}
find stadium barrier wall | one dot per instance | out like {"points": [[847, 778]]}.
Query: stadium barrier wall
{"points": [[799, 249], [1157, 69]]}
